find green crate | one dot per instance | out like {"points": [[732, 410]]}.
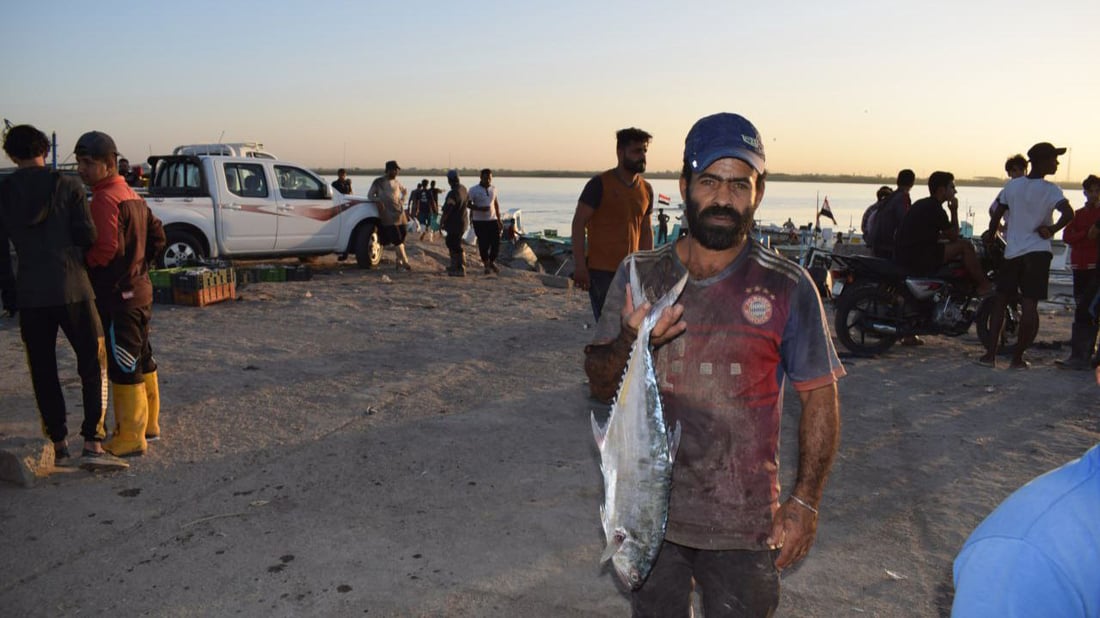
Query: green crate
{"points": [[162, 278]]}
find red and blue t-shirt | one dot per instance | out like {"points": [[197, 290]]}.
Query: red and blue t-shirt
{"points": [[750, 328]]}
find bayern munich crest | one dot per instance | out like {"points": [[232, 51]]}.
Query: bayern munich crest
{"points": [[757, 309]]}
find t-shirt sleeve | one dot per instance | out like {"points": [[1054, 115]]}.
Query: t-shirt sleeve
{"points": [[1008, 578], [807, 351], [592, 194], [649, 208]]}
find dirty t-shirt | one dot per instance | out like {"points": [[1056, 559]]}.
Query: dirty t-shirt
{"points": [[749, 328], [390, 195]]}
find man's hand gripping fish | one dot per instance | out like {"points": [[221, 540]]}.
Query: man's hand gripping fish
{"points": [[636, 453]]}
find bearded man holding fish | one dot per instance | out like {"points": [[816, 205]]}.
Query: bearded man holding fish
{"points": [[717, 324]]}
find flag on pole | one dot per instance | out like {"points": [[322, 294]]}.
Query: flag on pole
{"points": [[663, 199], [826, 211]]}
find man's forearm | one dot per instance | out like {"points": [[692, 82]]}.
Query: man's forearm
{"points": [[818, 438], [604, 364]]}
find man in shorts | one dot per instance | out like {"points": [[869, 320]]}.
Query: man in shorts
{"points": [[391, 195], [1029, 202]]}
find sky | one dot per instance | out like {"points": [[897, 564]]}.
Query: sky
{"points": [[839, 87]]}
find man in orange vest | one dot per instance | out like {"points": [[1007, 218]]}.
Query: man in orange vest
{"points": [[613, 218]]}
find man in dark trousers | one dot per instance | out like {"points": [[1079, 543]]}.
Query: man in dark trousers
{"points": [[454, 223], [747, 323], [130, 237], [44, 214], [613, 217]]}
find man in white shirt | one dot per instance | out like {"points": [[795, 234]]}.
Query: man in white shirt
{"points": [[1030, 201], [485, 216]]}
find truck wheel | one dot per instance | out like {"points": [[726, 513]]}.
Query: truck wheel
{"points": [[368, 251], [182, 249]]}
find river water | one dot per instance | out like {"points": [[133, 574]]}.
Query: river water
{"points": [[548, 203]]}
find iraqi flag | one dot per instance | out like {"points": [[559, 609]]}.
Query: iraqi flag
{"points": [[663, 199], [826, 211]]}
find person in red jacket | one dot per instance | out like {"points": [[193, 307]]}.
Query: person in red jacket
{"points": [[129, 237], [1083, 237]]}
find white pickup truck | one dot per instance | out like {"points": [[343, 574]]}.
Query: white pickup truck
{"points": [[233, 207]]}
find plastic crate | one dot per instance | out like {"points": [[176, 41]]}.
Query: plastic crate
{"points": [[162, 278], [205, 296], [163, 296], [299, 273]]}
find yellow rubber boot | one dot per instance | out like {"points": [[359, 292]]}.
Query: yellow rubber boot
{"points": [[131, 415], [152, 394]]}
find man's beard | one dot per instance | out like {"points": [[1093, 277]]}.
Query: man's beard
{"points": [[637, 166], [717, 237]]}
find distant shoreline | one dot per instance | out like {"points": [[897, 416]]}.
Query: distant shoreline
{"points": [[670, 175]]}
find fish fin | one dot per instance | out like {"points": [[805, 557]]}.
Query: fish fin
{"points": [[674, 441], [637, 294], [613, 545], [667, 300], [600, 433]]}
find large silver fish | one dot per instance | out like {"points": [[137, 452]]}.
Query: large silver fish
{"points": [[636, 452]]}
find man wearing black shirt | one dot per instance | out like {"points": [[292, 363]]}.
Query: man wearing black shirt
{"points": [[917, 245]]}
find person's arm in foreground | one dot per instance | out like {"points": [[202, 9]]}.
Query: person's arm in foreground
{"points": [[795, 524]]}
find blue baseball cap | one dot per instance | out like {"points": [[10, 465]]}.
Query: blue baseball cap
{"points": [[720, 136]]}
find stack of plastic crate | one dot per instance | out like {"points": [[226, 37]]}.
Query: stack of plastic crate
{"points": [[199, 287]]}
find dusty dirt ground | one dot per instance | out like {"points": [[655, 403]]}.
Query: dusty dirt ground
{"points": [[410, 444]]}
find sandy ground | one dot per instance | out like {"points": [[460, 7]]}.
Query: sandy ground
{"points": [[410, 444]]}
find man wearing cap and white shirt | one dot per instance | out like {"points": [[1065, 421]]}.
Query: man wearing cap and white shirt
{"points": [[390, 194], [1029, 202], [747, 322], [129, 237]]}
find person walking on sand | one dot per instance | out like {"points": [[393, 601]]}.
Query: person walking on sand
{"points": [[342, 182], [1083, 237], [391, 195], [1029, 202], [129, 239], [46, 217], [485, 215], [454, 222], [613, 217], [746, 323]]}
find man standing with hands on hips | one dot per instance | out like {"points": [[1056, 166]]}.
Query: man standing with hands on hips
{"points": [[746, 323], [1029, 201]]}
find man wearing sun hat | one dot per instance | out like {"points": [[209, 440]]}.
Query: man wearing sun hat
{"points": [[1029, 202], [747, 322]]}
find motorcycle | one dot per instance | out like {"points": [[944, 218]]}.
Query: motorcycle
{"points": [[880, 303]]}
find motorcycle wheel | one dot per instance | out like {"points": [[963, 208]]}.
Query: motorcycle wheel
{"points": [[984, 316], [856, 311]]}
